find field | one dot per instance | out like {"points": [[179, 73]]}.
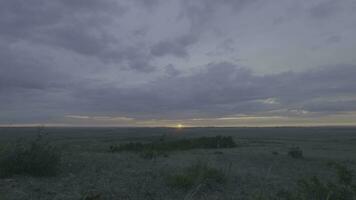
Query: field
{"points": [[259, 167]]}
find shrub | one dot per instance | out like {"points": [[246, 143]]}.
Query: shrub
{"points": [[344, 174], [152, 154], [295, 152], [35, 158], [92, 195], [314, 188], [218, 152], [184, 144], [199, 173], [131, 146]]}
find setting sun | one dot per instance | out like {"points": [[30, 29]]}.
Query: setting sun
{"points": [[179, 126]]}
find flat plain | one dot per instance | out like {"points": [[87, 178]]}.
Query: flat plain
{"points": [[259, 167]]}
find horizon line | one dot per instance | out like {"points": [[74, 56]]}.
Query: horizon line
{"points": [[173, 127]]}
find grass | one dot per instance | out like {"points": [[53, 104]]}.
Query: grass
{"points": [[197, 174], [152, 154], [313, 188], [35, 158], [91, 195], [88, 171]]}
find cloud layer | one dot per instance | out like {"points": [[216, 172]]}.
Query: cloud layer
{"points": [[146, 62]]}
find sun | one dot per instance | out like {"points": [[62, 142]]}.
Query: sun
{"points": [[179, 126]]}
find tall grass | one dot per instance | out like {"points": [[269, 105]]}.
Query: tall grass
{"points": [[199, 173], [35, 158], [313, 188]]}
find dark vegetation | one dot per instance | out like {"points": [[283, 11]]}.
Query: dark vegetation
{"points": [[152, 153], [35, 158], [92, 195], [199, 174], [295, 152], [313, 188], [216, 142]]}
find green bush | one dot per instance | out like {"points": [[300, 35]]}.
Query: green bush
{"points": [[314, 189], [131, 146], [295, 152], [344, 174], [92, 195], [152, 154], [184, 144], [197, 174], [35, 158]]}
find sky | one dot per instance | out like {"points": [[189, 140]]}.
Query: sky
{"points": [[170, 62]]}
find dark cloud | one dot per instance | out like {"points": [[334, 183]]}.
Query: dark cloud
{"points": [[201, 12], [171, 70], [77, 26], [147, 3], [18, 71], [324, 9], [218, 90], [20, 19], [333, 39], [225, 89], [331, 106], [176, 47]]}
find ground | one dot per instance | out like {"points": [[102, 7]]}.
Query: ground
{"points": [[258, 166]]}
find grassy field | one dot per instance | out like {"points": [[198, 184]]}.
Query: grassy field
{"points": [[259, 167]]}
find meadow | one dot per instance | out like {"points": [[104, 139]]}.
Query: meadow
{"points": [[185, 163]]}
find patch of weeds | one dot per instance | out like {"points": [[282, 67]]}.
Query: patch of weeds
{"points": [[152, 154], [35, 158], [131, 146], [283, 194], [218, 152], [295, 152], [197, 174], [92, 195], [314, 188], [184, 144], [344, 174]]}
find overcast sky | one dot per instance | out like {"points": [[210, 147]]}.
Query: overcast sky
{"points": [[165, 62]]}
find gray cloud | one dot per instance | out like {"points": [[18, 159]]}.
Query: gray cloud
{"points": [[78, 26], [147, 3], [177, 47], [175, 59], [201, 11], [324, 9], [225, 89], [221, 89], [23, 72], [26, 20]]}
